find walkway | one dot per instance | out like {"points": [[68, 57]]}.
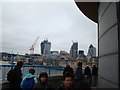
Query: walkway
{"points": [[55, 81]]}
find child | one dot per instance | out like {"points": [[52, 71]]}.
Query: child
{"points": [[29, 80], [42, 84], [67, 82]]}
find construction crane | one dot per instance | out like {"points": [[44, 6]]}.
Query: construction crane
{"points": [[33, 46]]}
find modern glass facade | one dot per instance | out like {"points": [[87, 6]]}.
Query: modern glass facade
{"points": [[45, 47], [74, 50]]}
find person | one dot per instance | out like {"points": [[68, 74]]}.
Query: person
{"points": [[67, 83], [43, 82], [78, 72], [15, 76], [29, 80], [81, 85], [68, 69], [94, 75], [87, 74]]}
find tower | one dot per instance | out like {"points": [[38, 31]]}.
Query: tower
{"points": [[45, 47], [81, 54], [74, 50], [91, 52]]}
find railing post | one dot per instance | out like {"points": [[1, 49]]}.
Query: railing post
{"points": [[49, 72], [33, 62], [12, 61], [3, 75]]}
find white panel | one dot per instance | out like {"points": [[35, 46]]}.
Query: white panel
{"points": [[108, 67], [108, 19], [109, 42]]}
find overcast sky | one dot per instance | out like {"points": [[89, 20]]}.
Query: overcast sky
{"points": [[59, 22]]}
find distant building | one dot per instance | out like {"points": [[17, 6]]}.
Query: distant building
{"points": [[81, 54], [74, 50], [63, 52], [91, 52], [64, 55], [54, 52], [45, 47]]}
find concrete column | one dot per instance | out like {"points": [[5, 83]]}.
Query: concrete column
{"points": [[108, 43]]}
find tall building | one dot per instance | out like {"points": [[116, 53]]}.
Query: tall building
{"points": [[91, 51], [45, 47], [74, 50], [81, 54]]}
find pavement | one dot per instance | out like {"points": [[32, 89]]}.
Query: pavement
{"points": [[55, 81]]}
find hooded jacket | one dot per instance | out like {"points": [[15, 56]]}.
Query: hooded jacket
{"points": [[29, 75], [43, 86]]}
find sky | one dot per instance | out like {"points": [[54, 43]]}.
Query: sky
{"points": [[62, 23]]}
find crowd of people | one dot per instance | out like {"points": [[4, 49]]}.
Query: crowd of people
{"points": [[89, 75], [72, 79]]}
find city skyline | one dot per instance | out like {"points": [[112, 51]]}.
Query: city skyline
{"points": [[60, 23], [45, 46]]}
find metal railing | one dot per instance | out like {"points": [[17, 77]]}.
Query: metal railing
{"points": [[51, 70]]}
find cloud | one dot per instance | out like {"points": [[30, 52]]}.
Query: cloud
{"points": [[60, 23]]}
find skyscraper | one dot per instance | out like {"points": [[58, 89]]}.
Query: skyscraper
{"points": [[74, 50], [91, 51], [45, 47], [81, 54]]}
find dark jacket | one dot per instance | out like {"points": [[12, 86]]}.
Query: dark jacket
{"points": [[78, 73], [68, 70], [87, 71], [94, 70], [16, 78], [40, 86], [63, 88]]}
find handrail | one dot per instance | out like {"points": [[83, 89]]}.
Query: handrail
{"points": [[51, 70], [36, 57], [49, 66]]}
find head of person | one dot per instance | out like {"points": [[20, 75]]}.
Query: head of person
{"points": [[19, 64], [94, 65], [79, 64], [87, 66], [68, 65], [32, 71], [43, 77], [67, 80]]}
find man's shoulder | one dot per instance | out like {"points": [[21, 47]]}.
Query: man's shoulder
{"points": [[61, 87], [49, 85]]}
